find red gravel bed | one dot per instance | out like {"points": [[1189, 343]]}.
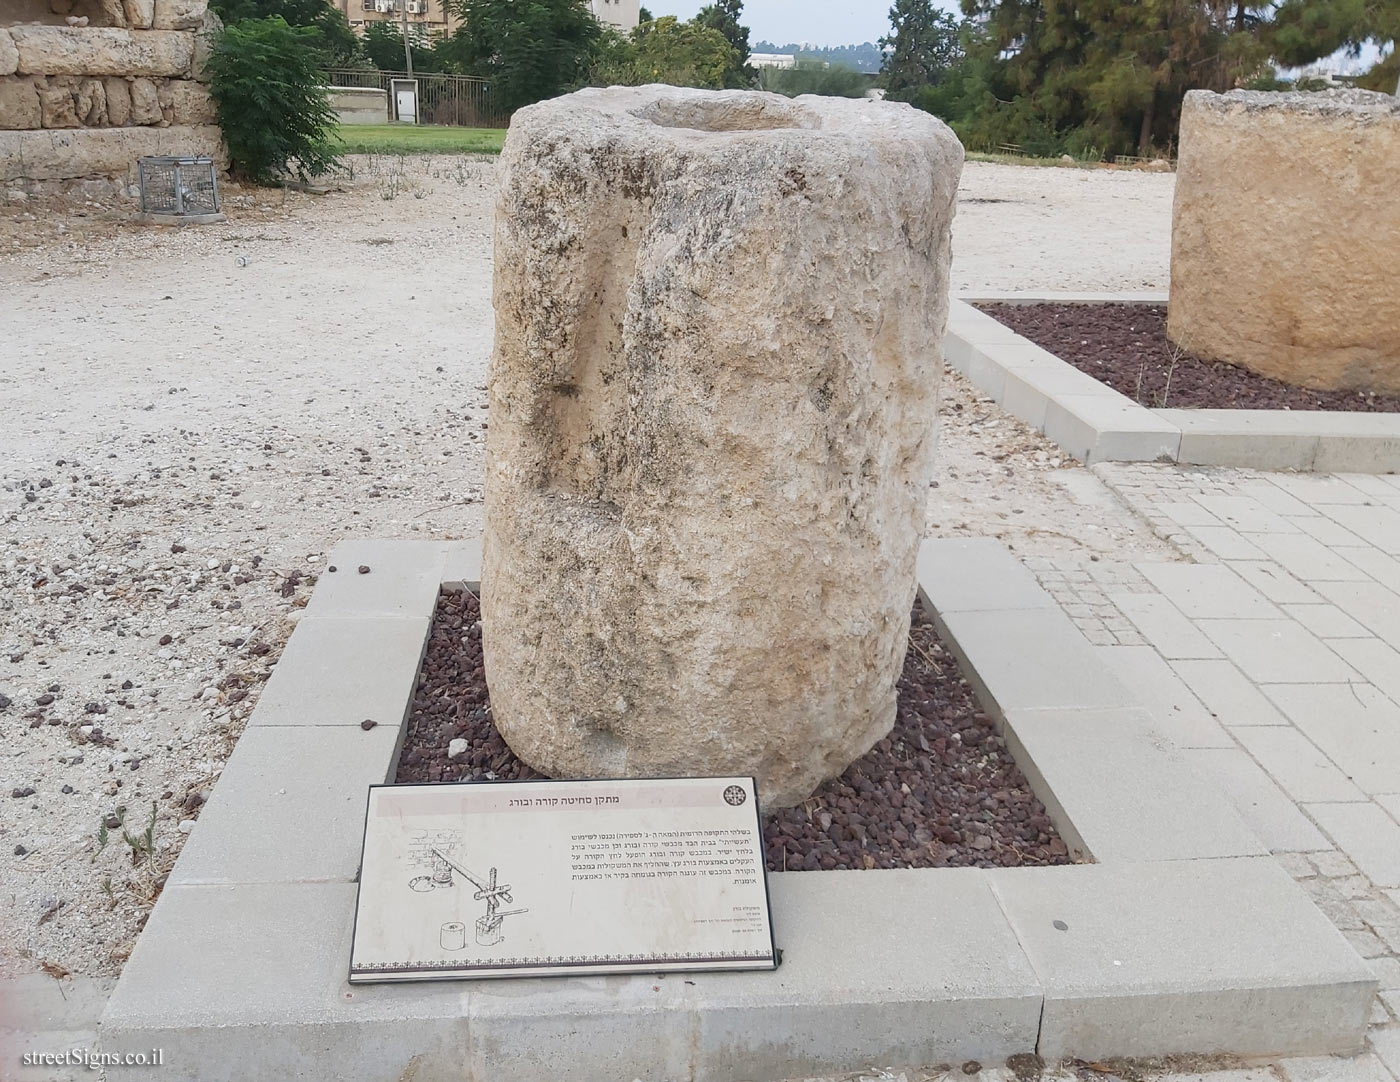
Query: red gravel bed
{"points": [[1126, 347], [941, 791]]}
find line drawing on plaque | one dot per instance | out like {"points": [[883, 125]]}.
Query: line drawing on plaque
{"points": [[452, 935]]}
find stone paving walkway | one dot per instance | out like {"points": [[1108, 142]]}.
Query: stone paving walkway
{"points": [[1272, 659]]}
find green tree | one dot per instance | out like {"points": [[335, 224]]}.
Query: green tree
{"points": [[667, 50], [266, 81], [1302, 32], [1102, 76], [336, 42], [644, 15], [529, 49], [922, 45], [724, 15], [383, 46]]}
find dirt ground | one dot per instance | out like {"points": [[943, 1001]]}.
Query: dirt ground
{"points": [[190, 420]]}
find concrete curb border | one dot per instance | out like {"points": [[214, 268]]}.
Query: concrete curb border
{"points": [[1095, 423], [1184, 937]]}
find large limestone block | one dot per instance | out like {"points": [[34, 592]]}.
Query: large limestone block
{"points": [[1285, 231], [118, 101], [145, 103], [140, 14], [56, 105], [99, 152], [179, 14], [9, 55], [19, 104], [713, 394], [86, 50], [191, 103], [205, 33]]}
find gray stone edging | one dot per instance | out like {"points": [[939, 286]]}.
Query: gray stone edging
{"points": [[1182, 937], [1095, 423]]}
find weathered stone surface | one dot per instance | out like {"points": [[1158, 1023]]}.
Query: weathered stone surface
{"points": [[179, 14], [19, 105], [209, 26], [72, 50], [9, 55], [140, 13], [98, 152], [92, 103], [145, 103], [118, 101], [718, 348], [56, 105], [191, 103], [1284, 234]]}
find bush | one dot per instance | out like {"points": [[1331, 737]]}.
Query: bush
{"points": [[814, 77], [272, 102]]}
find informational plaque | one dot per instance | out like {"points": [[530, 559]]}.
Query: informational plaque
{"points": [[539, 878]]}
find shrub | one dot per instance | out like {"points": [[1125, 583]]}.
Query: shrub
{"points": [[272, 102]]}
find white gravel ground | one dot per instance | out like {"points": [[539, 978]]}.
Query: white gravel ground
{"points": [[189, 420]]}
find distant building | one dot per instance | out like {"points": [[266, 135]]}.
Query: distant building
{"points": [[773, 60], [430, 16], [622, 14]]}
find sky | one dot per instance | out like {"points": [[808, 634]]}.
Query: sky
{"points": [[822, 22]]}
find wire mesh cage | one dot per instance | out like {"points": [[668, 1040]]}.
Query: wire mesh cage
{"points": [[178, 186]]}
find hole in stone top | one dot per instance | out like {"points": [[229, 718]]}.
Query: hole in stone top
{"points": [[724, 116]]}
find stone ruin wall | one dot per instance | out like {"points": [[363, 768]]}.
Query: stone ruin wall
{"points": [[80, 102]]}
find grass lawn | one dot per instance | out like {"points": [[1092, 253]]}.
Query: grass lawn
{"points": [[420, 139]]}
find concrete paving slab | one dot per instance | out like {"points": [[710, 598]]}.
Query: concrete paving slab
{"points": [[1188, 513], [1142, 956], [1384, 569], [248, 981], [1297, 764], [1225, 542], [1317, 490], [402, 580], [342, 671], [1306, 558], [1134, 799], [953, 986], [976, 574], [1228, 694], [261, 826], [1365, 833], [1031, 659], [1327, 622], [1176, 713], [1162, 624], [1362, 1068], [1375, 660], [1356, 725], [1386, 1042], [1323, 529], [1208, 591], [461, 566], [1376, 524], [1267, 494], [1274, 582], [1245, 514], [1277, 651], [1265, 808], [1375, 607]]}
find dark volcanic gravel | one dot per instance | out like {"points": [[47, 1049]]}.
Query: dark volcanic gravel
{"points": [[940, 791], [1126, 347]]}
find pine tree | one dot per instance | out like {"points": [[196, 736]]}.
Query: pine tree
{"points": [[923, 44]]}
